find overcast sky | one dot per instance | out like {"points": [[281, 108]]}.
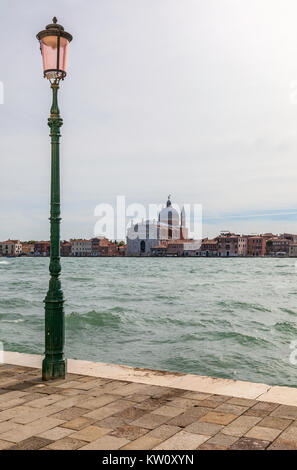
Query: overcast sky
{"points": [[197, 98]]}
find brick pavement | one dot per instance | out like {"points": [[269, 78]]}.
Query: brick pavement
{"points": [[84, 412]]}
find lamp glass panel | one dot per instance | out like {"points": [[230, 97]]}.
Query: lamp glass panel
{"points": [[64, 43], [49, 45]]}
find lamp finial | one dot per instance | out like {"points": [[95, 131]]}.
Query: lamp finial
{"points": [[55, 20]]}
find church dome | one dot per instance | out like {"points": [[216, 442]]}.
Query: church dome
{"points": [[169, 215]]}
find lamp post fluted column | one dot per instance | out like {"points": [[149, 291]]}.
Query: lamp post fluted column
{"points": [[54, 363], [54, 42]]}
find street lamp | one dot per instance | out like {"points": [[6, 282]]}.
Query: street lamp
{"points": [[54, 42]]}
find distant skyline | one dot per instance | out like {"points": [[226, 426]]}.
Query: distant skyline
{"points": [[194, 98]]}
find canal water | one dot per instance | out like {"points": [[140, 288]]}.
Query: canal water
{"points": [[233, 318]]}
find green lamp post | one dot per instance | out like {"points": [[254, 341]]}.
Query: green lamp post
{"points": [[54, 42]]}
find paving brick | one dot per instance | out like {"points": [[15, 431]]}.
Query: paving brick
{"points": [[197, 395], [232, 409], [90, 433], [242, 402], [68, 384], [8, 426], [262, 433], [241, 425], [219, 398], [93, 384], [32, 414], [207, 446], [66, 443], [285, 411], [218, 417], [94, 403], [137, 397], [106, 443], [27, 417], [276, 423], [55, 434], [6, 445], [164, 432], [256, 413], [265, 406], [245, 443], [112, 422], [170, 411], [25, 431], [45, 401], [111, 386], [101, 413], [197, 412], [151, 404], [11, 403], [48, 390], [120, 405], [128, 432], [142, 443], [287, 439], [32, 443], [12, 412], [182, 441], [11, 395], [126, 390], [130, 414], [208, 403], [150, 421], [183, 403], [182, 420], [222, 440], [70, 413], [208, 429], [78, 423]]}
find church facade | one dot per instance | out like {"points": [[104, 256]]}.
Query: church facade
{"points": [[143, 237]]}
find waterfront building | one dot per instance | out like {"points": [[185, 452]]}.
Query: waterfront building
{"points": [[277, 247], [191, 247], [97, 244], [159, 250], [42, 248], [227, 244], [103, 249], [65, 248], [142, 237], [113, 249], [293, 250], [81, 247], [256, 246], [289, 236], [11, 248], [208, 247], [27, 249], [243, 244], [175, 248], [122, 250]]}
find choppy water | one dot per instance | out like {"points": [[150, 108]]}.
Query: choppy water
{"points": [[232, 318]]}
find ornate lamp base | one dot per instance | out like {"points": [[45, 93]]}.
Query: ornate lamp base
{"points": [[53, 368]]}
